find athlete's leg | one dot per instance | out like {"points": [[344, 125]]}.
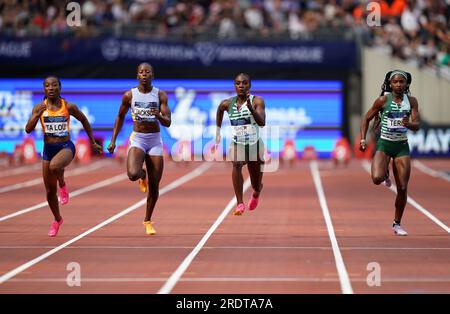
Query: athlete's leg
{"points": [[379, 167], [238, 181], [387, 180], [155, 166], [60, 161], [135, 161], [256, 174], [254, 169], [402, 171], [50, 182]]}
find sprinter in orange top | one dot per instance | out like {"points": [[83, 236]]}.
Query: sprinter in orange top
{"points": [[54, 113]]}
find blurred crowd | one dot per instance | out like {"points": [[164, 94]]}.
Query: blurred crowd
{"points": [[417, 31]]}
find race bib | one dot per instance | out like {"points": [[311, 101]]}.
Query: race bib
{"points": [[56, 126], [243, 133], [396, 124], [142, 111]]}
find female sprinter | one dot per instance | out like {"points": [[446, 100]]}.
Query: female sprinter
{"points": [[54, 113], [247, 115], [149, 109], [399, 112]]}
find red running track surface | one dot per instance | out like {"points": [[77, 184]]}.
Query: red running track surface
{"points": [[284, 246]]}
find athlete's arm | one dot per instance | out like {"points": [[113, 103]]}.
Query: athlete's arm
{"points": [[223, 106], [35, 115], [414, 123], [258, 110], [376, 107], [164, 115], [79, 115], [124, 106]]}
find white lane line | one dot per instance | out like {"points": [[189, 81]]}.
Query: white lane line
{"points": [[73, 194], [344, 279], [343, 248], [410, 200], [431, 172], [230, 279], [16, 171], [176, 275], [171, 186], [70, 173]]}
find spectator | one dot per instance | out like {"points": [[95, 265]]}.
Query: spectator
{"points": [[416, 31]]}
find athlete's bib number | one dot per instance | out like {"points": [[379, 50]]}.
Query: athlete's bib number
{"points": [[142, 110], [396, 123], [243, 133], [56, 128], [144, 114]]}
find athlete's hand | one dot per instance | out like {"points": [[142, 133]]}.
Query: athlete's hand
{"points": [[362, 145], [405, 121], [97, 147], [154, 112], [40, 109], [111, 147], [248, 102]]}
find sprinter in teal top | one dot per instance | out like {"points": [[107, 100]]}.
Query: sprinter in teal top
{"points": [[247, 114], [398, 112]]}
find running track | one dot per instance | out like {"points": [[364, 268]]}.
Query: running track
{"points": [[316, 230]]}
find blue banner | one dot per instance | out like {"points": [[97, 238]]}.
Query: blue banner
{"points": [[67, 51], [307, 112], [430, 141]]}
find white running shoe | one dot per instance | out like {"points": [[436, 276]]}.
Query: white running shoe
{"points": [[398, 230]]}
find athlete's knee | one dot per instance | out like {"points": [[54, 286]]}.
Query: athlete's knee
{"points": [[238, 165], [134, 175], [55, 166], [377, 179]]}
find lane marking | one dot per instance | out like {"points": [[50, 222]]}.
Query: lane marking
{"points": [[176, 275], [431, 172], [23, 169], [171, 186], [86, 189], [70, 173], [343, 248], [344, 279], [233, 279], [410, 200]]}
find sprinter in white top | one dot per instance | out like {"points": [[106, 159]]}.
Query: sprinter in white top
{"points": [[149, 109]]}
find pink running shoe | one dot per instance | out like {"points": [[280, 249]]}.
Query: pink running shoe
{"points": [[253, 202], [54, 228], [64, 195], [239, 210]]}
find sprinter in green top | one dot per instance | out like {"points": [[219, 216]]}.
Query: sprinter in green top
{"points": [[398, 113], [247, 115]]}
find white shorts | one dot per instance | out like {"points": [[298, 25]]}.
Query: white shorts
{"points": [[150, 143]]}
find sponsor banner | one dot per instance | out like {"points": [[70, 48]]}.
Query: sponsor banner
{"points": [[70, 51], [430, 141]]}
